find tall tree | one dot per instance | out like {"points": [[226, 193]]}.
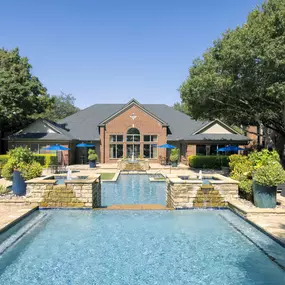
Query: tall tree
{"points": [[21, 94], [241, 78], [63, 106], [181, 107]]}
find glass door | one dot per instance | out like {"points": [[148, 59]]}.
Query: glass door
{"points": [[133, 150]]}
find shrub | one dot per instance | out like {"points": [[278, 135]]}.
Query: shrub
{"points": [[174, 155], [7, 170], [32, 170], [242, 170], [208, 161], [92, 155], [23, 160], [235, 159], [270, 175], [264, 157], [4, 190], [21, 154], [46, 160], [245, 189]]}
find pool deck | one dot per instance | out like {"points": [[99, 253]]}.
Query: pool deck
{"points": [[269, 221], [11, 214]]}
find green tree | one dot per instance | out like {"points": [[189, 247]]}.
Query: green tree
{"points": [[241, 78], [63, 106], [22, 96], [181, 107]]}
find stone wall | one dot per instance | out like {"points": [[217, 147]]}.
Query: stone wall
{"points": [[182, 193], [138, 165], [72, 194]]}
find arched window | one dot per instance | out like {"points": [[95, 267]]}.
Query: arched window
{"points": [[133, 135]]}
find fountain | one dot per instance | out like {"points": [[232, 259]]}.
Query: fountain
{"points": [[69, 174], [200, 175]]}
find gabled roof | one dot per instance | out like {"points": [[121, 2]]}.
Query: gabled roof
{"points": [[216, 121], [130, 104], [84, 124], [59, 133]]}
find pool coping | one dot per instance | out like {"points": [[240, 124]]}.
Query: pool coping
{"points": [[18, 219]]}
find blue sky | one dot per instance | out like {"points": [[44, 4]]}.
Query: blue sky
{"points": [[110, 51]]}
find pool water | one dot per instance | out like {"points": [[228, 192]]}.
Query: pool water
{"points": [[60, 179], [133, 189], [141, 247]]}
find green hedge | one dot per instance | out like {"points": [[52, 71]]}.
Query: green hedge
{"points": [[208, 161], [44, 159]]}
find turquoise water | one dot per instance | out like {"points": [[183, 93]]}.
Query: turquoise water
{"points": [[141, 247], [133, 189]]}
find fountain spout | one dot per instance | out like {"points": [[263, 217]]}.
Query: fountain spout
{"points": [[200, 175], [69, 174]]}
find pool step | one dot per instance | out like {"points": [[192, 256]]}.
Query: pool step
{"points": [[136, 207]]}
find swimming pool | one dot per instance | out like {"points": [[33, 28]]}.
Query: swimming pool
{"points": [[133, 189], [142, 247]]}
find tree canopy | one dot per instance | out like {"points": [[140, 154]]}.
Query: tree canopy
{"points": [[22, 95], [63, 106], [241, 78]]}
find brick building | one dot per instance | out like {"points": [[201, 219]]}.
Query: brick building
{"points": [[133, 129]]}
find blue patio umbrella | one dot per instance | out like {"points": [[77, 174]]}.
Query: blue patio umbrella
{"points": [[230, 148], [57, 147], [84, 145], [167, 146]]}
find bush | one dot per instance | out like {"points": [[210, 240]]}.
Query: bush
{"points": [[270, 175], [30, 171], [3, 159], [264, 157], [23, 160], [235, 159], [174, 155], [46, 160], [4, 190], [92, 155], [242, 170], [7, 170], [245, 189], [208, 161]]}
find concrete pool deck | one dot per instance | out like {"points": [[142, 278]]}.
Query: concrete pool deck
{"points": [[11, 214]]}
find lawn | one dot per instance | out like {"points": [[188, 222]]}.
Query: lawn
{"points": [[107, 176]]}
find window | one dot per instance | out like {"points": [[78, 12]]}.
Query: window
{"points": [[133, 135], [116, 138], [116, 150], [200, 149], [150, 151], [150, 138], [35, 147]]}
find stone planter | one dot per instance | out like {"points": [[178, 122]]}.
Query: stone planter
{"points": [[19, 185], [264, 196], [92, 163]]}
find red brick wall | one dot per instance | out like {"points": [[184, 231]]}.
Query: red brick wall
{"points": [[146, 124]]}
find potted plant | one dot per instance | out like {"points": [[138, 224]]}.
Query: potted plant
{"points": [[266, 178], [92, 157], [21, 166], [174, 156]]}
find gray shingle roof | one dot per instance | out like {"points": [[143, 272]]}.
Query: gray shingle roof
{"points": [[218, 137], [40, 136], [84, 124]]}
